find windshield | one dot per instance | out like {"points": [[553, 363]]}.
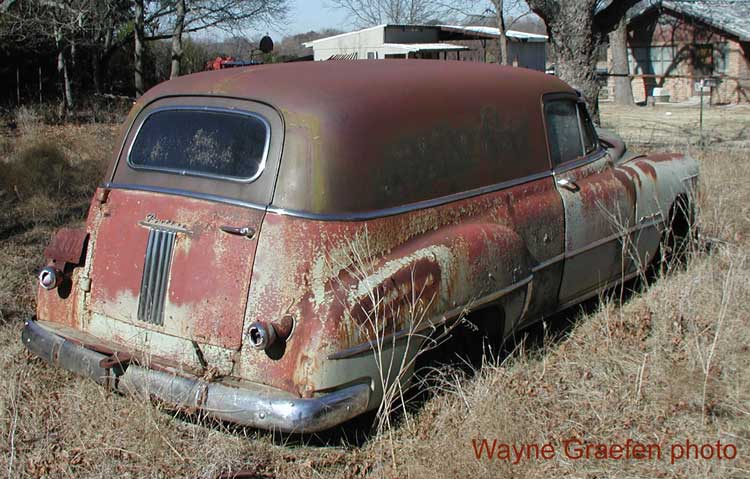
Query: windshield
{"points": [[202, 142]]}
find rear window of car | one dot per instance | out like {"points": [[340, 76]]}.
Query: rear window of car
{"points": [[200, 142]]}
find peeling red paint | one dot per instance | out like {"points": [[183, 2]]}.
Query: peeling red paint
{"points": [[210, 269]]}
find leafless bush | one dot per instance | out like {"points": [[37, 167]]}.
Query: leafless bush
{"points": [[28, 118], [38, 168]]}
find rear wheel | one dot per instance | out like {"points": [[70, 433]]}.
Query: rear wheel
{"points": [[477, 337], [679, 235]]}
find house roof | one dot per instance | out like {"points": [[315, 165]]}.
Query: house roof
{"points": [[493, 32], [340, 35], [468, 32], [730, 16], [421, 47]]}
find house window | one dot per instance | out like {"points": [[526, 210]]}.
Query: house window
{"points": [[652, 60], [721, 57], [702, 59], [372, 55]]}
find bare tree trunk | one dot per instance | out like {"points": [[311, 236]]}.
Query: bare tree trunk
{"points": [[179, 25], [62, 70], [68, 85], [96, 72], [502, 41], [138, 50], [618, 41], [574, 45], [100, 58]]}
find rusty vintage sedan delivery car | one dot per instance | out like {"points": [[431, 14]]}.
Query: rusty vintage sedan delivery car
{"points": [[267, 240]]}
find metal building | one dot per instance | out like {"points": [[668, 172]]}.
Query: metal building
{"points": [[450, 42]]}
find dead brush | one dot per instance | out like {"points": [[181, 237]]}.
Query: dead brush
{"points": [[409, 329], [39, 167]]}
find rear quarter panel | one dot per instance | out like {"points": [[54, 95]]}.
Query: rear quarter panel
{"points": [[349, 282]]}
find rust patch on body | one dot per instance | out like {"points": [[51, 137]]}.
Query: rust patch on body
{"points": [[67, 246], [423, 263], [210, 269]]}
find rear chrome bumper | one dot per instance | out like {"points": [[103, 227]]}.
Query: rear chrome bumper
{"points": [[259, 406]]}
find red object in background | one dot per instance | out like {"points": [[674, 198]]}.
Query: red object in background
{"points": [[219, 63]]}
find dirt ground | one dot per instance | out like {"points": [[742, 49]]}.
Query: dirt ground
{"points": [[668, 367]]}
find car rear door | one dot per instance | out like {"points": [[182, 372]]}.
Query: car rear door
{"points": [[175, 233], [598, 205]]}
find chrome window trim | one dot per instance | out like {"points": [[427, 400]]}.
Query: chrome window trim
{"points": [[203, 108], [354, 216], [585, 160], [580, 129], [188, 194], [396, 210], [597, 145]]}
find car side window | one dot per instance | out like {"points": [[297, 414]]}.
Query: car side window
{"points": [[590, 141], [563, 131]]}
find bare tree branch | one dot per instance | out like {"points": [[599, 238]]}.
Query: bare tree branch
{"points": [[376, 12]]}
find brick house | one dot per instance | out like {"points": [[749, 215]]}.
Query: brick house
{"points": [[673, 44]]}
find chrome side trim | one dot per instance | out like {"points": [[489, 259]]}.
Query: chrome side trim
{"points": [[585, 160], [353, 216], [174, 171], [396, 210], [646, 223], [185, 193], [527, 300], [444, 318], [250, 405], [649, 218], [595, 291], [548, 262], [689, 177], [596, 244]]}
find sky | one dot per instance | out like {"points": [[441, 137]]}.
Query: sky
{"points": [[306, 15]]}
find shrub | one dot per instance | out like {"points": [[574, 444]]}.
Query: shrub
{"points": [[28, 118], [39, 167]]}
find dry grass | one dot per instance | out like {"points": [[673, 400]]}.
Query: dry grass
{"points": [[679, 124], [670, 364]]}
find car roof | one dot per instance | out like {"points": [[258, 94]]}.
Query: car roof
{"points": [[345, 84], [410, 130]]}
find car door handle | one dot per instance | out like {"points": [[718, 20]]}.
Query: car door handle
{"points": [[246, 231], [568, 185]]}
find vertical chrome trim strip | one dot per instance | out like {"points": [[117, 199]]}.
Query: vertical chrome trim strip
{"points": [[156, 267]]}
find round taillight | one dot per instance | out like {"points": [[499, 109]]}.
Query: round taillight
{"points": [[261, 335], [49, 278]]}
